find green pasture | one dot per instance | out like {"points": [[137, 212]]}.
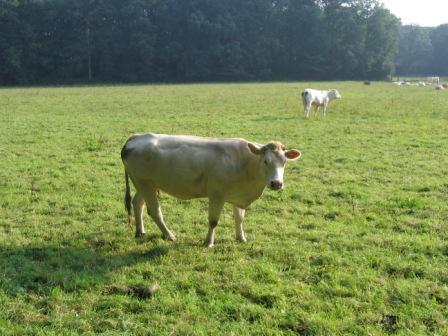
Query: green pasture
{"points": [[356, 244]]}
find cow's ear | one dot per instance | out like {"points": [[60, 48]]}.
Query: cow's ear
{"points": [[254, 148], [293, 154]]}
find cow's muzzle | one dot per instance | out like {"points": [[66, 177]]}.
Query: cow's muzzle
{"points": [[276, 185]]}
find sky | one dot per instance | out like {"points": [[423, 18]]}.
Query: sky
{"points": [[428, 13]]}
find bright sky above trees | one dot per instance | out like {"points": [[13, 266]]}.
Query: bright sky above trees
{"points": [[422, 12]]}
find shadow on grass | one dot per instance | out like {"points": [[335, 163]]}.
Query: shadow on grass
{"points": [[39, 269]]}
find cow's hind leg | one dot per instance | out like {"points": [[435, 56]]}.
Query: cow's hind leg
{"points": [[238, 215], [214, 211], [137, 204], [152, 204]]}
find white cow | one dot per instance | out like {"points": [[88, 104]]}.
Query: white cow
{"points": [[223, 170], [317, 98], [434, 79]]}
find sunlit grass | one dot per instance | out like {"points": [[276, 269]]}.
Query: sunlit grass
{"points": [[355, 244]]}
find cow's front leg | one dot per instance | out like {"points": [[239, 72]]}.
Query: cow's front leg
{"points": [[215, 206], [152, 203], [307, 110], [238, 215]]}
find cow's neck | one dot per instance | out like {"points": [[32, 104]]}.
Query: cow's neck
{"points": [[257, 177], [250, 187]]}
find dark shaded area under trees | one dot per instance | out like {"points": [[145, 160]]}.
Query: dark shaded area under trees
{"points": [[66, 41]]}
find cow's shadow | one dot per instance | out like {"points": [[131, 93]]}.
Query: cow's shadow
{"points": [[40, 269]]}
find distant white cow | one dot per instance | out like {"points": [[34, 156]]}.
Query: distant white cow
{"points": [[440, 87], [317, 98], [223, 170], [421, 84], [434, 79]]}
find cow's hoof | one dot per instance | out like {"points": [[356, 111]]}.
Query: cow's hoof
{"points": [[139, 234], [241, 239], [171, 238], [208, 244]]}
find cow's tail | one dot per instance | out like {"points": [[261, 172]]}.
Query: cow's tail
{"points": [[127, 197]]}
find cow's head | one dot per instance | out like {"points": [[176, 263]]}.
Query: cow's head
{"points": [[334, 94], [273, 157]]}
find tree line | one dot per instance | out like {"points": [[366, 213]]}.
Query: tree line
{"points": [[66, 41], [423, 51]]}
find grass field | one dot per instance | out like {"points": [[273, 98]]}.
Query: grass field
{"points": [[356, 244]]}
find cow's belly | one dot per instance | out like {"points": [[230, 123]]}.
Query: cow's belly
{"points": [[239, 193], [182, 190], [178, 183]]}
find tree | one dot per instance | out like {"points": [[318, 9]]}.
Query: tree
{"points": [[300, 34], [381, 44], [11, 71], [415, 51], [345, 36], [439, 40], [54, 41]]}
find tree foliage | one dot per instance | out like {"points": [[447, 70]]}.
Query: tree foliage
{"points": [[54, 41], [423, 51]]}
